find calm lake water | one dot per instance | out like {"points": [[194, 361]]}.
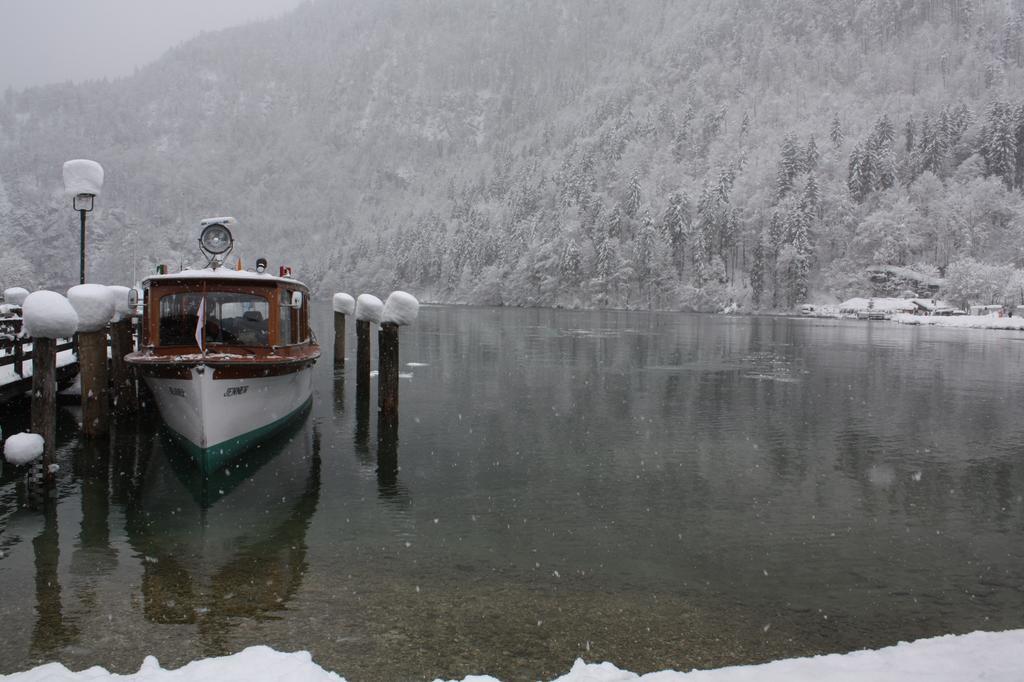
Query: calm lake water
{"points": [[658, 490]]}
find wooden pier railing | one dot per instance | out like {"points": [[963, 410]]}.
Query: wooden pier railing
{"points": [[17, 351]]}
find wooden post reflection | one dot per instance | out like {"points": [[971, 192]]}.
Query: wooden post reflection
{"points": [[49, 633], [387, 454], [361, 439], [94, 554]]}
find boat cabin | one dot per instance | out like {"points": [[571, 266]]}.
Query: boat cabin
{"points": [[241, 312]]}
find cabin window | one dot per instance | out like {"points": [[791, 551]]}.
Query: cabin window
{"points": [[285, 318], [231, 319], [294, 322]]}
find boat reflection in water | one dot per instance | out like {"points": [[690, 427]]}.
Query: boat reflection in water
{"points": [[226, 545]]}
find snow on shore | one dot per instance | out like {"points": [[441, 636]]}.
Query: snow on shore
{"points": [[962, 321], [989, 656]]}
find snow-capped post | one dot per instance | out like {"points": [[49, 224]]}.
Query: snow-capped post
{"points": [[400, 310], [122, 378], [15, 296], [47, 316], [95, 307], [368, 310], [344, 305], [83, 180]]}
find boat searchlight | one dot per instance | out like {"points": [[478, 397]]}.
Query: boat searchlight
{"points": [[216, 240]]}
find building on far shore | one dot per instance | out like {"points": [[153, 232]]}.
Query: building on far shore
{"points": [[870, 308]]}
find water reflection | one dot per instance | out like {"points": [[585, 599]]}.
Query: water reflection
{"points": [[361, 434], [50, 629], [338, 392], [388, 486], [229, 545]]}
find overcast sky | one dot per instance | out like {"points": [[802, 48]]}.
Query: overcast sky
{"points": [[52, 41]]}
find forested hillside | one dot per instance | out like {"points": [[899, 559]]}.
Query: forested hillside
{"points": [[656, 153]]}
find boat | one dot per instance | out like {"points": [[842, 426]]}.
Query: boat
{"points": [[227, 353]]}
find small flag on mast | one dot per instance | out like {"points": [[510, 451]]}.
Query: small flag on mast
{"points": [[201, 326]]}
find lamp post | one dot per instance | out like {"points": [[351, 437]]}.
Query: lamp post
{"points": [[83, 180], [83, 204]]}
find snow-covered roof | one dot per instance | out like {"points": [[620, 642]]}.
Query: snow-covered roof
{"points": [[221, 273], [888, 304]]}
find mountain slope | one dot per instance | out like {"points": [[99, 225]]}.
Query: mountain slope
{"points": [[570, 152]]}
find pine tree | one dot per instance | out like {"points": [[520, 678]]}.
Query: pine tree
{"points": [[706, 231], [571, 264], [908, 133], [614, 222], [790, 165], [999, 141], [772, 249], [631, 205], [880, 154], [811, 155], [931, 148], [644, 256], [811, 200], [836, 132], [883, 134], [674, 225], [861, 176], [757, 272]]}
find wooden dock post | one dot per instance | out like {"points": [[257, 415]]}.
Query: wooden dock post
{"points": [[19, 358], [399, 310], [363, 360], [368, 309], [122, 378], [95, 306], [44, 399], [47, 316], [387, 378], [344, 306], [92, 363]]}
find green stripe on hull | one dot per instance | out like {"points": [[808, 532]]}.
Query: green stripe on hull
{"points": [[214, 457]]}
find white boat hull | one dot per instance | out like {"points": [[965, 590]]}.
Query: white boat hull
{"points": [[220, 417]]}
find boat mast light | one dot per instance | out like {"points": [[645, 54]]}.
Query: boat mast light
{"points": [[216, 241]]}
